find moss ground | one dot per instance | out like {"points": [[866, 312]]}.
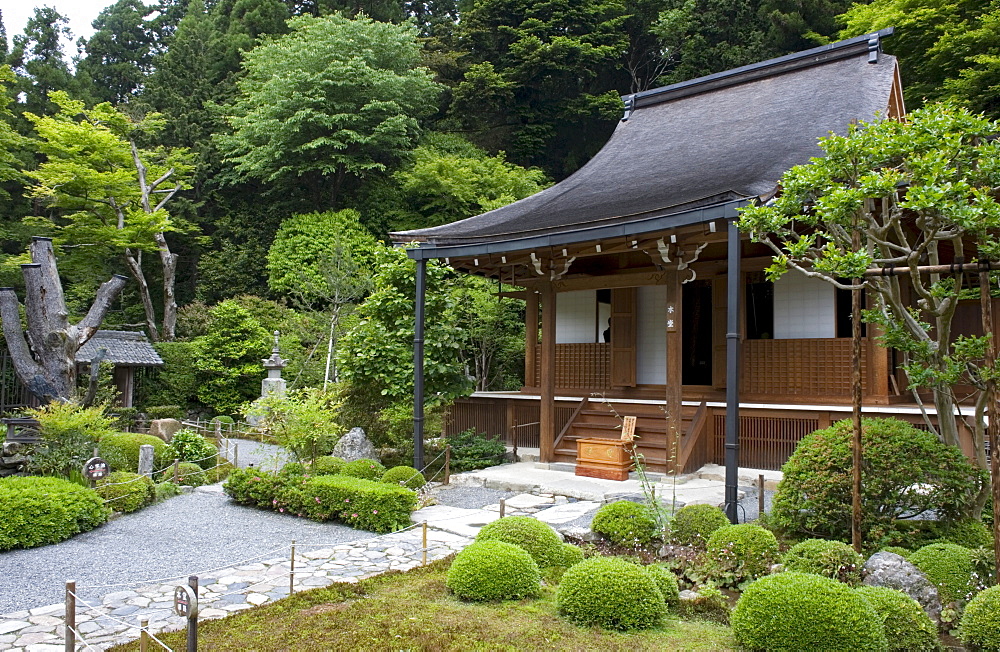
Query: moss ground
{"points": [[414, 611]]}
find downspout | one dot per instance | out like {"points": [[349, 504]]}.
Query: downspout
{"points": [[418, 365], [733, 372]]}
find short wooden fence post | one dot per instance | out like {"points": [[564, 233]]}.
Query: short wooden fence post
{"points": [[70, 624]]}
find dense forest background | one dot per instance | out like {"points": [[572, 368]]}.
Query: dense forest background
{"points": [[244, 161]]}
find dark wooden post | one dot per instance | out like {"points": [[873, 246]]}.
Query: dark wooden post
{"points": [[547, 391], [531, 338], [674, 382], [733, 291], [993, 425], [418, 365], [856, 403]]}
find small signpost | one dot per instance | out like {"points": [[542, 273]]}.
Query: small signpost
{"points": [[94, 469], [186, 605]]}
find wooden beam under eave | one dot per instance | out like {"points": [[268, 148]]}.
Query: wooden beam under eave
{"points": [[547, 413], [674, 384], [530, 339]]}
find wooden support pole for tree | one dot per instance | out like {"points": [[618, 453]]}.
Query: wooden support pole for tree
{"points": [[992, 413], [856, 451], [70, 625]]}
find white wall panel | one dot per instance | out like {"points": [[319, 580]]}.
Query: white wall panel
{"points": [[651, 325], [576, 317], [803, 307]]}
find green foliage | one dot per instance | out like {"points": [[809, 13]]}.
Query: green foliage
{"points": [[69, 433], [188, 473], [801, 611], [39, 511], [171, 389], [189, 446], [833, 559], [363, 468], [121, 450], [692, 525], [572, 555], [494, 570], [406, 476], [902, 552], [255, 487], [164, 490], [907, 626], [126, 492], [325, 465], [950, 567], [610, 593], [625, 523], [740, 553], [166, 411], [304, 421], [333, 98], [538, 538], [980, 625], [898, 456], [709, 604], [968, 532], [227, 357], [471, 450], [666, 581], [119, 54]]}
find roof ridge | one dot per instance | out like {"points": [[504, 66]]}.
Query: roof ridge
{"points": [[790, 62]]}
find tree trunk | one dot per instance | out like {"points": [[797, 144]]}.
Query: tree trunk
{"points": [[135, 269], [169, 262], [48, 365]]}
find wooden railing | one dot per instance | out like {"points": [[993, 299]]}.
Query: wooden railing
{"points": [[505, 419], [580, 366], [816, 367]]}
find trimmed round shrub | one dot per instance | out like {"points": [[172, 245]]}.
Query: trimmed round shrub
{"points": [[38, 511], [494, 570], [907, 626], [610, 593], [539, 539], [121, 451], [950, 567], [802, 611], [625, 523], [188, 446], [980, 625], [833, 559], [740, 553], [126, 492], [292, 469], [406, 476], [572, 555], [364, 469], [188, 473], [327, 465], [967, 532], [817, 480], [666, 581], [694, 524]]}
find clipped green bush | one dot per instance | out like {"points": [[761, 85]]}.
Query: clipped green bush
{"points": [[365, 469], [950, 567], [326, 465], [359, 503], [968, 532], [538, 538], [188, 474], [833, 559], [406, 476], [293, 468], [692, 525], [801, 611], [164, 490], [121, 451], [907, 626], [188, 446], [494, 570], [666, 581], [471, 450], [126, 492], [625, 523], [165, 412], [572, 555], [979, 628], [38, 511], [254, 487], [740, 553], [610, 593], [817, 482]]}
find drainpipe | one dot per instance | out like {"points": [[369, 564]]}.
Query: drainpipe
{"points": [[418, 365], [733, 372]]}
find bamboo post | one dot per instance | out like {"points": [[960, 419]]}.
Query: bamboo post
{"points": [[423, 547], [760, 495], [503, 507], [177, 471], [447, 464], [291, 572], [192, 629], [236, 456], [143, 634], [70, 624]]}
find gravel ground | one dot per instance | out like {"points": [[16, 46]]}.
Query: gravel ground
{"points": [[469, 497]]}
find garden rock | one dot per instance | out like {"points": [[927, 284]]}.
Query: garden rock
{"points": [[890, 570], [355, 445], [164, 428]]}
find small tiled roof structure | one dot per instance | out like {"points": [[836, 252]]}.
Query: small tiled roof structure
{"points": [[124, 349]]}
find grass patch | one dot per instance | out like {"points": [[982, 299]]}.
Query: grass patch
{"points": [[414, 611]]}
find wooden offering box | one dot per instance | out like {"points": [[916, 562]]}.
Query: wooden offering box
{"points": [[602, 458]]}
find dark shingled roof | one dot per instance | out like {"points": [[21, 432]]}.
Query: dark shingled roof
{"points": [[706, 142], [123, 348]]}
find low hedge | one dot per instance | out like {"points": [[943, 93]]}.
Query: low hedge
{"points": [[833, 559], [625, 523], [538, 538], [406, 476], [494, 570], [126, 492], [802, 611], [907, 626], [326, 465], [740, 553], [359, 503], [949, 567], [38, 511], [363, 468], [121, 451], [611, 593], [188, 473], [980, 624], [694, 524]]}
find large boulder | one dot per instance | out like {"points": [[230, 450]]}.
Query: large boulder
{"points": [[164, 428], [355, 445], [895, 572]]}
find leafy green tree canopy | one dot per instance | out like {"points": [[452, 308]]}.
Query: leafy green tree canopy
{"points": [[334, 98], [119, 55], [228, 358]]}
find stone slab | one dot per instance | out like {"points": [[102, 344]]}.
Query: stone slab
{"points": [[464, 522], [566, 513]]}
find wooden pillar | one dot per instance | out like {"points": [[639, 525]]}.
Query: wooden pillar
{"points": [[674, 369], [547, 389], [531, 339]]}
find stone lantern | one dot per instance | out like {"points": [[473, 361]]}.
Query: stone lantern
{"points": [[274, 384]]}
